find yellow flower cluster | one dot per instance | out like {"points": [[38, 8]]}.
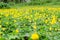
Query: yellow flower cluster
{"points": [[53, 20], [33, 18]]}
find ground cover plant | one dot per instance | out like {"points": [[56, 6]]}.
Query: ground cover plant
{"points": [[30, 23]]}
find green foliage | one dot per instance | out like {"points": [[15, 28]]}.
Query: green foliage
{"points": [[11, 3], [43, 2], [20, 24], [4, 5], [31, 2]]}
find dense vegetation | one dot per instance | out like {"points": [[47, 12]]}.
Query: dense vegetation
{"points": [[42, 23], [10, 3], [29, 20]]}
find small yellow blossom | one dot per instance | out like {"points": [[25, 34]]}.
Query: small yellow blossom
{"points": [[15, 21], [53, 20], [50, 28], [3, 29], [6, 15], [0, 33], [15, 16], [17, 30], [0, 26], [35, 36], [34, 26], [59, 20], [46, 21], [56, 29]]}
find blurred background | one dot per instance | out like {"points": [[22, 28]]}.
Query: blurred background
{"points": [[31, 1], [8, 3]]}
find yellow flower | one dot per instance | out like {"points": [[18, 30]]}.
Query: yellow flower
{"points": [[35, 36], [56, 29], [15, 15], [0, 26], [59, 29], [6, 15], [53, 20], [59, 20], [50, 28], [46, 21], [0, 33], [17, 30], [3, 29], [34, 26], [15, 21]]}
